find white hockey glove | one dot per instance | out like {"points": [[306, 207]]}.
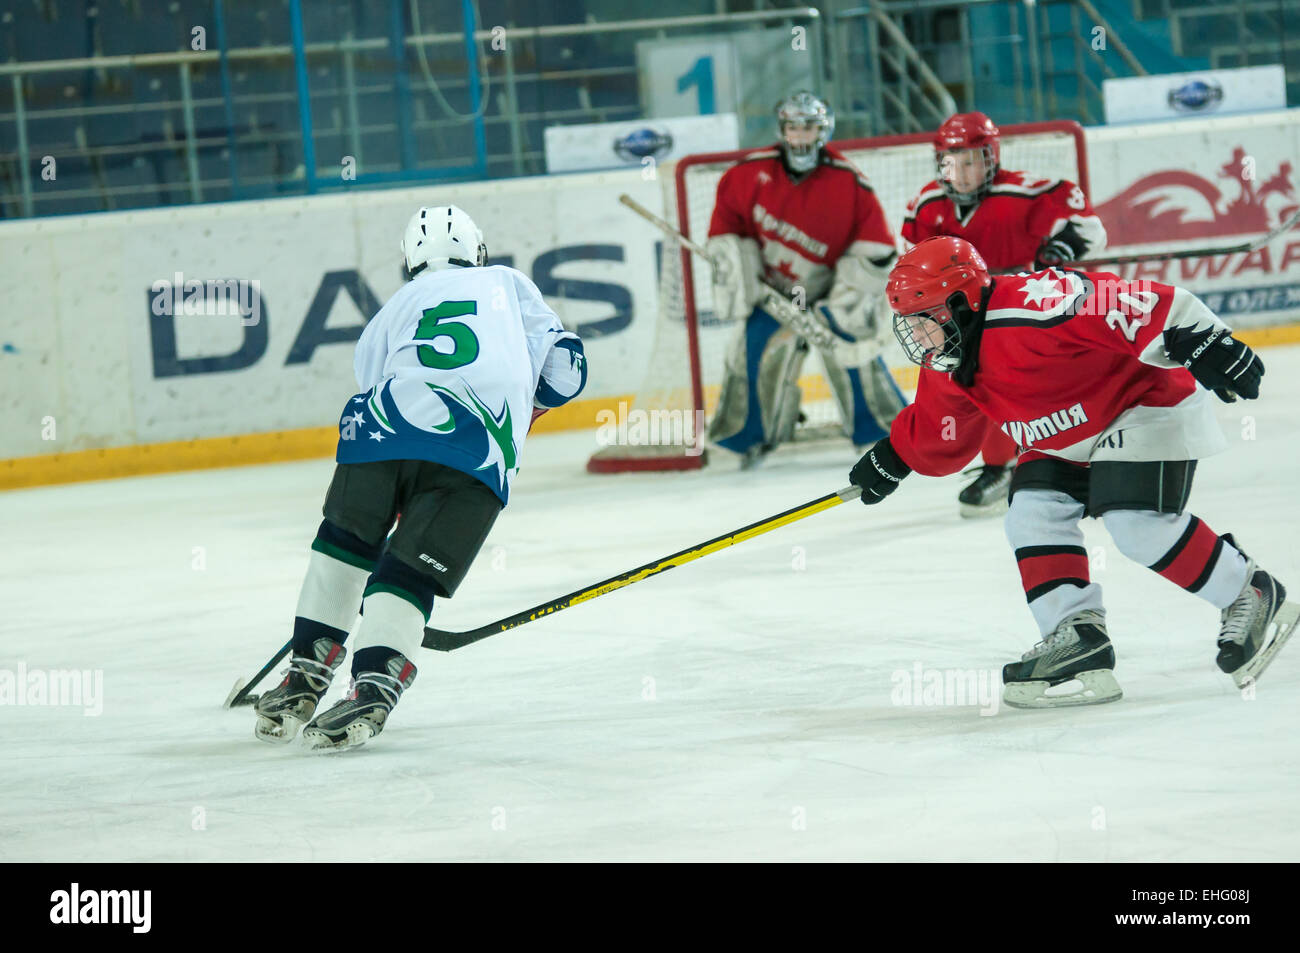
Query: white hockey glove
{"points": [[736, 287]]}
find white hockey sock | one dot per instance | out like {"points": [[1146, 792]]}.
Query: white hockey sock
{"points": [[391, 622], [331, 592]]}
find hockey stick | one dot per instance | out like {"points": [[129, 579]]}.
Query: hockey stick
{"points": [[445, 641], [239, 695], [1250, 246], [777, 304]]}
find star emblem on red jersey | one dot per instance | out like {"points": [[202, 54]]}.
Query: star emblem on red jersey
{"points": [[1037, 289]]}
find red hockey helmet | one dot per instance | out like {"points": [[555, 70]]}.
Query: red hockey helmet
{"points": [[921, 292], [963, 133]]}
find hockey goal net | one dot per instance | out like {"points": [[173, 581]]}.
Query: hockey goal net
{"points": [[680, 387]]}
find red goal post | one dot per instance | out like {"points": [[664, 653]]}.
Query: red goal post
{"points": [[689, 343]]}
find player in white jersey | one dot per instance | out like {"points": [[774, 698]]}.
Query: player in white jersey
{"points": [[452, 371]]}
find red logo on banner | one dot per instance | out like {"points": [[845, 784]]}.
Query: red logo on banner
{"points": [[1175, 204]]}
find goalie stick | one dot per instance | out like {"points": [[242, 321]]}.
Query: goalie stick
{"points": [[777, 304], [444, 641]]}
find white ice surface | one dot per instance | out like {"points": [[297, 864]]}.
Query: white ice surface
{"points": [[772, 731]]}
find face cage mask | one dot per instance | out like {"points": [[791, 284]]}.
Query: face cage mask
{"points": [[931, 339], [965, 198], [804, 158]]}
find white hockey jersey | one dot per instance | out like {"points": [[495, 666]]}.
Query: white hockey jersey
{"points": [[450, 369]]}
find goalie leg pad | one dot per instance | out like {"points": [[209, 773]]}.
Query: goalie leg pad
{"points": [[866, 395], [778, 387], [755, 401]]}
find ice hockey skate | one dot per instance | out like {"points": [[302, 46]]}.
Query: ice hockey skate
{"points": [[986, 495], [1072, 666], [1255, 626], [354, 720], [283, 710]]}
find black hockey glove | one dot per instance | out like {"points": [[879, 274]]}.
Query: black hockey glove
{"points": [[878, 472], [1052, 253], [1218, 360]]}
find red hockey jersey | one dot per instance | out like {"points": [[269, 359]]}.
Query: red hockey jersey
{"points": [[802, 228], [1068, 360], [1009, 224]]}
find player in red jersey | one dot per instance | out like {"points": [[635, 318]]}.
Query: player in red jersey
{"points": [[1096, 379], [804, 218], [1018, 222]]}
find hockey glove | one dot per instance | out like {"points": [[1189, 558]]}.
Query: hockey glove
{"points": [[1219, 361], [878, 472], [736, 277], [1051, 253]]}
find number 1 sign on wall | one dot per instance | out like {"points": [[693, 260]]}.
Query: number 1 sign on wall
{"points": [[687, 77], [701, 77]]}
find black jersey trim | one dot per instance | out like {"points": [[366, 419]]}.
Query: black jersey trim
{"points": [[939, 195], [1068, 314], [847, 166]]}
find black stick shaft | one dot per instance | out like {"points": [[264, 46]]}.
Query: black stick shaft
{"points": [[243, 692]]}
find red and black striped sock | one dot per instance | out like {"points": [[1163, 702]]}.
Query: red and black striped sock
{"points": [[1045, 568], [1192, 559]]}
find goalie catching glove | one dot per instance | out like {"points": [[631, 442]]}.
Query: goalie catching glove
{"points": [[856, 309], [879, 472], [737, 268]]}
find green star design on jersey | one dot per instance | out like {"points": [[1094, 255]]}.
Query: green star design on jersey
{"points": [[502, 452]]}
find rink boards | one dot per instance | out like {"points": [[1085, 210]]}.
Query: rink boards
{"points": [[218, 334]]}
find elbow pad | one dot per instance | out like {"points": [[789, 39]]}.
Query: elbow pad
{"points": [[564, 373]]}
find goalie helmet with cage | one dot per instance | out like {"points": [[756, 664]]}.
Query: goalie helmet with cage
{"points": [[804, 124], [966, 156], [934, 290], [442, 236]]}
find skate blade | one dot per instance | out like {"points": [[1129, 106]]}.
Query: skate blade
{"points": [[1087, 688], [969, 511], [1283, 624], [354, 737], [277, 733], [248, 699]]}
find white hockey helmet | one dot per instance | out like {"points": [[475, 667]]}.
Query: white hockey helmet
{"points": [[442, 236]]}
